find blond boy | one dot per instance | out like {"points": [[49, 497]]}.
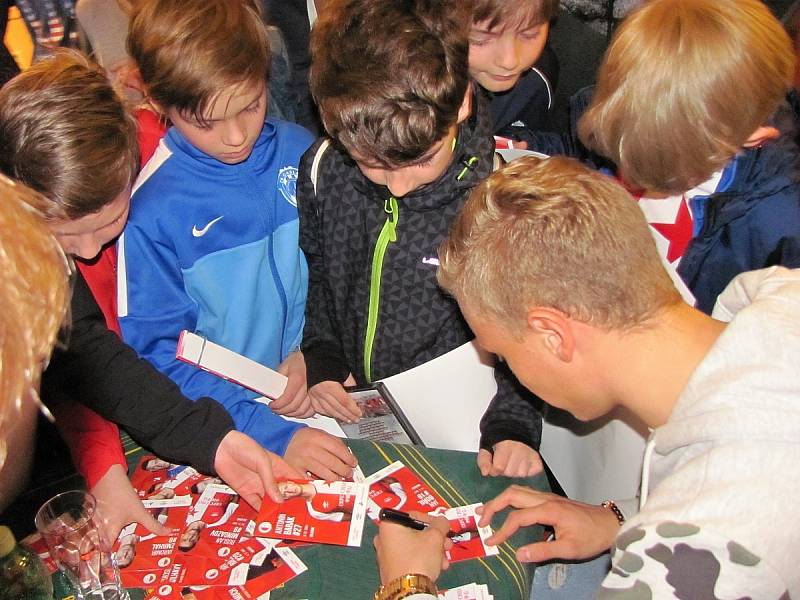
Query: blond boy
{"points": [[682, 110]]}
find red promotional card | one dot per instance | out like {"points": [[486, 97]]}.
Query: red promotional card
{"points": [[271, 568], [396, 486], [185, 482], [316, 511], [150, 474], [176, 578], [36, 543], [469, 541], [217, 521], [137, 549]]}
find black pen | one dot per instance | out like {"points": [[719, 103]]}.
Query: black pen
{"points": [[391, 515]]}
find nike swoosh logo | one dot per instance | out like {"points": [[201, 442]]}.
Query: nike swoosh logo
{"points": [[201, 232]]}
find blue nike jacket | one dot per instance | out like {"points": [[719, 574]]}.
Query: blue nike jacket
{"points": [[213, 248]]}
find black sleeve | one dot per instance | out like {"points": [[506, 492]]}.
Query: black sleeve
{"points": [[322, 348], [513, 414], [106, 375]]}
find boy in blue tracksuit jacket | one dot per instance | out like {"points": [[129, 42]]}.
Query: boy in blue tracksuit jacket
{"points": [[212, 241]]}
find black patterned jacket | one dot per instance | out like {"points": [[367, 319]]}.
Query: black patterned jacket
{"points": [[417, 321]]}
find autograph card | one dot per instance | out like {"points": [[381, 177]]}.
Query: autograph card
{"points": [[136, 549], [151, 473], [396, 486], [469, 541], [218, 520], [316, 511], [270, 568]]}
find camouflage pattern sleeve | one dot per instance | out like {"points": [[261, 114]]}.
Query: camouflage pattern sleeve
{"points": [[683, 560]]}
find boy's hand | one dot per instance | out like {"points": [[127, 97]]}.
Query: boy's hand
{"points": [[510, 459], [294, 401], [118, 505], [321, 454], [250, 470], [402, 551], [330, 398], [581, 530]]}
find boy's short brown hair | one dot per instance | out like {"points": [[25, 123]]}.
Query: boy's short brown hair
{"points": [[191, 51], [390, 77], [65, 133], [513, 13], [34, 295], [683, 85], [554, 233]]}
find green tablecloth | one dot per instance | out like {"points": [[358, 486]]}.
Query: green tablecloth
{"points": [[339, 572]]}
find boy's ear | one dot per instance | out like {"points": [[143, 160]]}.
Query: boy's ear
{"points": [[551, 329], [465, 109], [761, 135]]}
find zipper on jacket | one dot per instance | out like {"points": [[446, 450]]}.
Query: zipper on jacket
{"points": [[388, 234]]}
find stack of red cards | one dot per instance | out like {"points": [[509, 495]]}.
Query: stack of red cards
{"points": [[209, 554], [219, 548]]}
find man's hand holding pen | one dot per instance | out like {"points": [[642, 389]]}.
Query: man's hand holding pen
{"points": [[403, 548]]}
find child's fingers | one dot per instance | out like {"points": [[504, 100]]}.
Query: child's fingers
{"points": [[484, 462]]}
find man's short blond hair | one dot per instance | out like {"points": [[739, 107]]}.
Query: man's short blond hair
{"points": [[34, 295], [683, 85], [65, 133], [189, 52], [554, 233]]}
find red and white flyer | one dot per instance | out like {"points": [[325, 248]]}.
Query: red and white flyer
{"points": [[217, 521], [36, 543], [151, 473], [398, 487], [469, 540], [271, 568], [136, 549], [316, 511]]}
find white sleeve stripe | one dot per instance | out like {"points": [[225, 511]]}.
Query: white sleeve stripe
{"points": [[159, 157], [547, 85], [122, 279], [315, 163]]}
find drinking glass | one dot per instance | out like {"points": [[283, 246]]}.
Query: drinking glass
{"points": [[68, 524]]}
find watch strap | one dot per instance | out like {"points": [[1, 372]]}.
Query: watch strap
{"points": [[405, 586]]}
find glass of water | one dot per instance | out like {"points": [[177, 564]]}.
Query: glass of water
{"points": [[68, 524]]}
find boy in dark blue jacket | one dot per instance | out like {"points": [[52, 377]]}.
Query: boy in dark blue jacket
{"points": [[510, 61]]}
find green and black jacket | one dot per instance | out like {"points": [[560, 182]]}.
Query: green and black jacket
{"points": [[374, 307]]}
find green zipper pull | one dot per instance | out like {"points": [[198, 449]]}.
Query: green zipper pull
{"points": [[387, 235]]}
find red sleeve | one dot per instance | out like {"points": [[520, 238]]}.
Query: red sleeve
{"points": [[101, 277], [93, 441]]}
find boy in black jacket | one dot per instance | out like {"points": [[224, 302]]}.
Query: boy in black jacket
{"points": [[376, 203]]}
